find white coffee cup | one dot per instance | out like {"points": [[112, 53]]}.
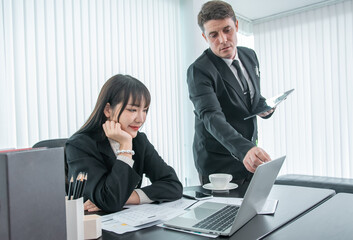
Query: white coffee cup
{"points": [[220, 180]]}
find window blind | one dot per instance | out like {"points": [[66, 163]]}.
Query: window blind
{"points": [[310, 51], [56, 55]]}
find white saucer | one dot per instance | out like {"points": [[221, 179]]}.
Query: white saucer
{"points": [[229, 186]]}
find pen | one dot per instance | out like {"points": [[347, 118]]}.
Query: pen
{"points": [[70, 190], [188, 207]]}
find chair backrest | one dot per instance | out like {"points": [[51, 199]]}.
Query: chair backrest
{"points": [[53, 143]]}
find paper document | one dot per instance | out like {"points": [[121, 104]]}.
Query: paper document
{"points": [[164, 211], [269, 207]]}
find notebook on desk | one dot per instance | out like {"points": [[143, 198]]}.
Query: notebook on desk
{"points": [[225, 219]]}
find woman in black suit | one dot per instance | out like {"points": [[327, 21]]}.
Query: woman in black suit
{"points": [[115, 154]]}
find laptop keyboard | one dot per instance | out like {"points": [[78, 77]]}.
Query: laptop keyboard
{"points": [[221, 220]]}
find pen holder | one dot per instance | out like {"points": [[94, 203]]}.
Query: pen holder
{"points": [[74, 219]]}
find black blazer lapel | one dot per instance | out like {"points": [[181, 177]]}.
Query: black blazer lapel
{"points": [[251, 69], [104, 148], [227, 74]]}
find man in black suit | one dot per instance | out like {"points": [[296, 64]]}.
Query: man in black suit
{"points": [[224, 86]]}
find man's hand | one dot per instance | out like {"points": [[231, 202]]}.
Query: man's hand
{"points": [[255, 157], [90, 206], [264, 114]]}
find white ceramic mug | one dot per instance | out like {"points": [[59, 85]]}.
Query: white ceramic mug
{"points": [[220, 180]]}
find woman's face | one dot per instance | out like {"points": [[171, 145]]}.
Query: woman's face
{"points": [[132, 118]]}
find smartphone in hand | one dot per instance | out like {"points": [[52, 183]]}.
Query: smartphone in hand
{"points": [[196, 195]]}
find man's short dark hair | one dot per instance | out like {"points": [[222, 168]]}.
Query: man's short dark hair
{"points": [[215, 10]]}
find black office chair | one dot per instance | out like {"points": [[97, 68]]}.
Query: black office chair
{"points": [[53, 143]]}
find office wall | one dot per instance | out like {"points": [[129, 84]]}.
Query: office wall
{"points": [[56, 54], [311, 51]]}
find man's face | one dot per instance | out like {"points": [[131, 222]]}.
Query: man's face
{"points": [[221, 36]]}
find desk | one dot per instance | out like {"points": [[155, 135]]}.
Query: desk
{"points": [[331, 220], [293, 201]]}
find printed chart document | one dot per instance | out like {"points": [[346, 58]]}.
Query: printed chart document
{"points": [[164, 211]]}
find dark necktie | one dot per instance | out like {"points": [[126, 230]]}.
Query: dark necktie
{"points": [[243, 81]]}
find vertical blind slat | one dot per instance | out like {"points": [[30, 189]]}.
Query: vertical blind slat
{"points": [[315, 59], [55, 74]]}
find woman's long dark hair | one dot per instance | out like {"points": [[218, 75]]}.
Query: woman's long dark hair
{"points": [[118, 89]]}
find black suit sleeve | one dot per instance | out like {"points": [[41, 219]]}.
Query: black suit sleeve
{"points": [[202, 83], [111, 182], [165, 184], [108, 187], [262, 101]]}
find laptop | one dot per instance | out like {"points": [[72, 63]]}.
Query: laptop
{"points": [[271, 103], [209, 216]]}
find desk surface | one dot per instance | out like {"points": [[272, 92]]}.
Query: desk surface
{"points": [[293, 201], [331, 220]]}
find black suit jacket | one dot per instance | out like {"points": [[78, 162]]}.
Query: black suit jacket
{"points": [[111, 181], [222, 136]]}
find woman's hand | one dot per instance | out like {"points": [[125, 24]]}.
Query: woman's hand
{"points": [[90, 206], [134, 199], [113, 131]]}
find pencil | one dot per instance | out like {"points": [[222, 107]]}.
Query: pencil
{"points": [[70, 190], [79, 186], [83, 185], [74, 194]]}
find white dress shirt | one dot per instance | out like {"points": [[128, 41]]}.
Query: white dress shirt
{"points": [[245, 73]]}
